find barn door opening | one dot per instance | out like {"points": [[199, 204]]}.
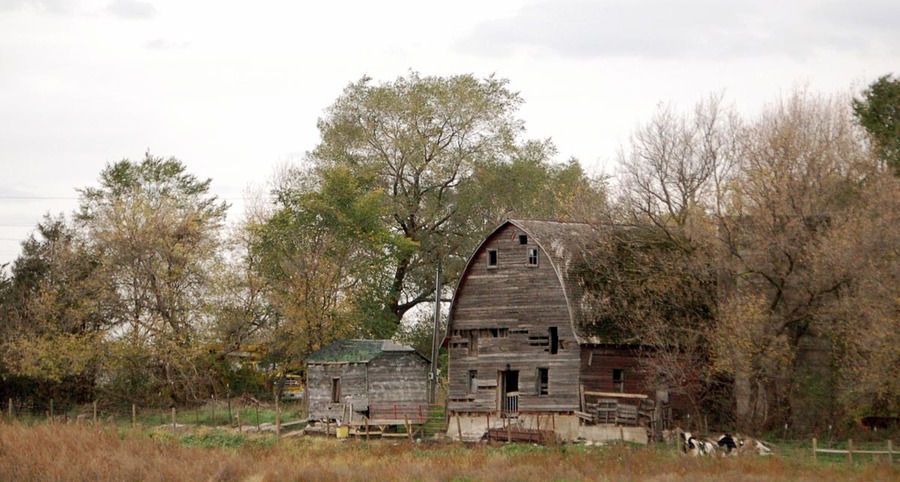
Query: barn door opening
{"points": [[509, 391]]}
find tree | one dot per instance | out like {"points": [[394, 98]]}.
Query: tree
{"points": [[802, 170], [676, 172], [879, 112], [54, 310], [654, 270], [156, 227], [325, 255], [421, 137], [429, 155]]}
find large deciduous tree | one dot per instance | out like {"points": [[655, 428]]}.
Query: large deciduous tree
{"points": [[420, 137], [157, 229], [653, 272], [438, 160]]}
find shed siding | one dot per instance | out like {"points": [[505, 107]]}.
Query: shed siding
{"points": [[353, 389], [398, 377], [512, 307]]}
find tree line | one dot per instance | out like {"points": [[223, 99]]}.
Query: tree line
{"points": [[749, 254]]}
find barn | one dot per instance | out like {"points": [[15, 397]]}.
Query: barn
{"points": [[519, 343], [365, 379]]}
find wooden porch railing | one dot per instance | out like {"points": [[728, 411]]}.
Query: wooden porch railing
{"points": [[510, 404]]}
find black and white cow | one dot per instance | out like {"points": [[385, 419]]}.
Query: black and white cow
{"points": [[696, 447], [729, 444]]}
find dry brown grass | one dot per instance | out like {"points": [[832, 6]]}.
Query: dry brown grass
{"points": [[46, 452]]}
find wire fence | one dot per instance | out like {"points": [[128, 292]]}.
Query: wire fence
{"points": [[240, 412]]}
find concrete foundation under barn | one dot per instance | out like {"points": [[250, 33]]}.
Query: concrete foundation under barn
{"points": [[473, 427]]}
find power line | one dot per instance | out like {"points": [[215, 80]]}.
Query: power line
{"points": [[40, 198], [60, 198]]}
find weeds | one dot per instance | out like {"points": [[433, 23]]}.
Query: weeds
{"points": [[60, 452]]}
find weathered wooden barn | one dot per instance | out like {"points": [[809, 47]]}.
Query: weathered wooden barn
{"points": [[518, 334], [357, 377]]}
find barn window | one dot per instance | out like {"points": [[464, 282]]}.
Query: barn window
{"points": [[473, 381], [542, 381], [523, 239], [532, 257], [498, 332], [619, 380], [492, 258], [554, 340], [335, 390]]}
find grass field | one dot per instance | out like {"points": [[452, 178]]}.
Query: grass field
{"points": [[63, 452]]}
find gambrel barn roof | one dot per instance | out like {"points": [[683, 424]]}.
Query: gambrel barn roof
{"points": [[357, 351], [566, 244]]}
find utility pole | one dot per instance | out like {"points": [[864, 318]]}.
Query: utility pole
{"points": [[437, 331]]}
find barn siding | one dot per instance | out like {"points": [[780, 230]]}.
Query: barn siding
{"points": [[598, 363], [525, 302]]}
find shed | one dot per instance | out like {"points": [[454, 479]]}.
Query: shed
{"points": [[376, 379]]}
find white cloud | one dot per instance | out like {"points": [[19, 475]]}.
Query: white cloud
{"points": [[44, 6], [132, 9], [160, 43], [660, 29]]}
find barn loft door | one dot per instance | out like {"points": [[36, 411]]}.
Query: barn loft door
{"points": [[509, 391]]}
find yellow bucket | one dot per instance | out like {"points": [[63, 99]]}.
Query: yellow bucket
{"points": [[343, 431]]}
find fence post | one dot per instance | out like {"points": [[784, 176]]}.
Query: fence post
{"points": [[408, 427], [240, 427], [278, 415], [173, 419], [133, 415], [214, 411], [228, 396], [622, 434], [850, 451], [95, 413], [257, 417], [891, 452], [51, 409], [10, 409], [814, 449]]}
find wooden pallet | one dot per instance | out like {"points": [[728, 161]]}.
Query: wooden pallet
{"points": [[626, 414], [519, 434], [606, 410]]}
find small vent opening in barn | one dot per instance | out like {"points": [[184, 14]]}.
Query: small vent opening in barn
{"points": [[619, 380], [492, 258], [554, 340], [543, 379], [523, 239], [532, 257]]}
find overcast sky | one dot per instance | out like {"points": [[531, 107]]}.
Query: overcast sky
{"points": [[234, 89]]}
